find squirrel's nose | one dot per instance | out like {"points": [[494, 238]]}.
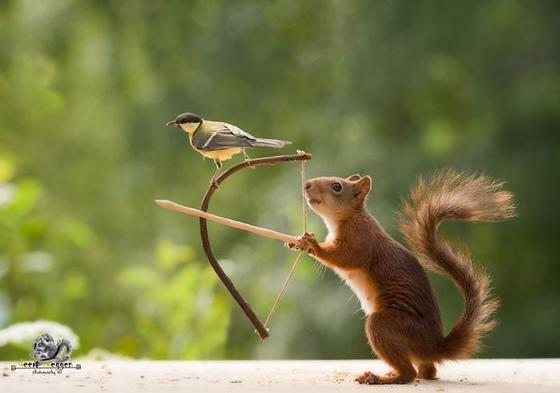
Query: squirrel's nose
{"points": [[308, 184]]}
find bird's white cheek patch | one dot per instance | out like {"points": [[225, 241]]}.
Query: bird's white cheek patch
{"points": [[189, 127]]}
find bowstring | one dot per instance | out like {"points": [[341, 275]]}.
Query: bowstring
{"points": [[300, 254]]}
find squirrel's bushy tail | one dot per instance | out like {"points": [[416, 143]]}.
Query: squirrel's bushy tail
{"points": [[449, 195]]}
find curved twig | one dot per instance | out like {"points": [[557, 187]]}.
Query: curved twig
{"points": [[261, 330]]}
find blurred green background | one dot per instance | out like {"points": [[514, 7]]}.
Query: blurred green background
{"points": [[393, 89]]}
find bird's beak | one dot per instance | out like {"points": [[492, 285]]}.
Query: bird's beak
{"points": [[172, 123]]}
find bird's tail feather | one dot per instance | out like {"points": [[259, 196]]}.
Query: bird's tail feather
{"points": [[270, 142]]}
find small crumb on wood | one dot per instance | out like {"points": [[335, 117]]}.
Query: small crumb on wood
{"points": [[339, 376]]}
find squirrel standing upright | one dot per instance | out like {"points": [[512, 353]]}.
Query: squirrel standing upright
{"points": [[403, 320]]}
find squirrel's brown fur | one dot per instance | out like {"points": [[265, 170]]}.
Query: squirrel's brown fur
{"points": [[403, 322]]}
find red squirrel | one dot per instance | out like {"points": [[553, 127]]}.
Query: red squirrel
{"points": [[403, 321]]}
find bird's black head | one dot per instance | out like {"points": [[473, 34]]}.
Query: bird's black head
{"points": [[185, 118]]}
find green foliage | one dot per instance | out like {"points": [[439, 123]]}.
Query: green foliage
{"points": [[388, 88], [175, 310]]}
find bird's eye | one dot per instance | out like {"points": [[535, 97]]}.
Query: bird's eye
{"points": [[336, 186]]}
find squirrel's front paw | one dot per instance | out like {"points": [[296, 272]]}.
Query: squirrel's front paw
{"points": [[307, 243]]}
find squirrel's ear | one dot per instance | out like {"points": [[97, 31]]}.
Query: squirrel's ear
{"points": [[354, 177], [362, 187]]}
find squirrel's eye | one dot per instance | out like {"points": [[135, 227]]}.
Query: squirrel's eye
{"points": [[336, 186]]}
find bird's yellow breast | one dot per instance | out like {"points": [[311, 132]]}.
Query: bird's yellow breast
{"points": [[223, 154]]}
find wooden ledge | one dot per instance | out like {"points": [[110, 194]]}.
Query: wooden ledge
{"points": [[509, 376]]}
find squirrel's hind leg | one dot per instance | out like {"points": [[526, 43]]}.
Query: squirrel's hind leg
{"points": [[427, 371], [391, 348]]}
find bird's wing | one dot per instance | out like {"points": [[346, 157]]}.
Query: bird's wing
{"points": [[227, 136], [238, 131]]}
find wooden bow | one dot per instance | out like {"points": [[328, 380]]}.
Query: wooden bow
{"points": [[204, 216]]}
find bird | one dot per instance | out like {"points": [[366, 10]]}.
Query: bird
{"points": [[218, 140]]}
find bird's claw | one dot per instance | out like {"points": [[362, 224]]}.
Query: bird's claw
{"points": [[249, 163]]}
